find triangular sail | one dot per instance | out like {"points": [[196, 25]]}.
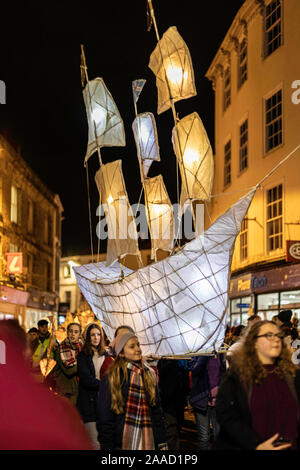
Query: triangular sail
{"points": [[160, 212], [105, 124], [177, 305], [172, 65], [145, 134], [195, 158], [122, 233]]}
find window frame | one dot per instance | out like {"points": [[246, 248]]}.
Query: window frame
{"points": [[14, 200], [267, 97], [243, 63], [266, 30], [244, 232], [246, 144], [272, 219], [226, 88], [227, 163]]}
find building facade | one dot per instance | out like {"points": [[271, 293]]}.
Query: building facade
{"points": [[256, 79], [30, 241]]}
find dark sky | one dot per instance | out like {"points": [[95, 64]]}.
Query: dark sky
{"points": [[45, 114]]}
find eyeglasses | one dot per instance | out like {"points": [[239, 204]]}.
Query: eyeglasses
{"points": [[271, 336]]}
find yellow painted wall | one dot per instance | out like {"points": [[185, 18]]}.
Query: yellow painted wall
{"points": [[265, 76]]}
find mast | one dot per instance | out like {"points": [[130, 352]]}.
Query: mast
{"points": [[92, 90], [84, 66], [172, 107]]}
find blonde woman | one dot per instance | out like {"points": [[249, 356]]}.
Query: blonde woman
{"points": [[257, 405], [129, 412]]}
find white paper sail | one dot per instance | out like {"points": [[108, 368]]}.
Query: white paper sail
{"points": [[195, 157], [159, 210], [105, 124], [145, 134], [122, 233], [172, 65], [177, 305]]}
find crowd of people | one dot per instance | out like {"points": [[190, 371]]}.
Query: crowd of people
{"points": [[113, 398]]}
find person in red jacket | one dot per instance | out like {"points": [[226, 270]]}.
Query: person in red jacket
{"points": [[32, 417]]}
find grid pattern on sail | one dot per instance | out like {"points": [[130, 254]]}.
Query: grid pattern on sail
{"points": [[122, 234], [172, 64], [195, 158], [159, 211], [145, 134], [106, 127], [177, 305]]}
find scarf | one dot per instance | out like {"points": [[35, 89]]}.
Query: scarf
{"points": [[69, 352], [137, 434]]}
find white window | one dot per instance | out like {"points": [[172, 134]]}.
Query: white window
{"points": [[14, 205], [244, 145], [274, 218], [67, 270], [273, 27], [273, 113], [227, 88], [227, 164], [243, 72]]}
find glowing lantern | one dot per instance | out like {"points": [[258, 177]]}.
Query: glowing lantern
{"points": [[46, 365], [145, 134], [172, 64]]}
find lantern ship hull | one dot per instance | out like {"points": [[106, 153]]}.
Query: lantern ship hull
{"points": [[178, 305]]}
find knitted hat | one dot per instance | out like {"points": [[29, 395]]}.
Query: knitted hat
{"points": [[285, 315], [119, 342]]}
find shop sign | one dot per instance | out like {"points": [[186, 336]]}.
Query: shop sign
{"points": [[41, 300], [293, 251], [271, 280], [14, 263], [243, 305], [240, 285], [13, 296]]}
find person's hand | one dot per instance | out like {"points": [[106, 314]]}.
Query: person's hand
{"points": [[269, 444]]}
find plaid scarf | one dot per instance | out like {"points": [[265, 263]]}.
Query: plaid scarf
{"points": [[137, 434], [69, 352]]}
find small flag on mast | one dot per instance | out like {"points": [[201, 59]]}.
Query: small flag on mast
{"points": [[137, 86]]}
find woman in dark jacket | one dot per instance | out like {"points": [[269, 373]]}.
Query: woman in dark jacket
{"points": [[129, 412], [92, 364], [257, 404]]}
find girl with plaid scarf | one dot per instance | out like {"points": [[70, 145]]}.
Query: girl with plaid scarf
{"points": [[129, 412]]}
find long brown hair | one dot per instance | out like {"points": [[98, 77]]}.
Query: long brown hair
{"points": [[118, 375], [87, 348], [245, 361]]}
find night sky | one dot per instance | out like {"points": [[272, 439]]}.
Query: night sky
{"points": [[45, 113]]}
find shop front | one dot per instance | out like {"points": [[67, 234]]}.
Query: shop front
{"points": [[13, 304], [264, 292], [40, 305]]}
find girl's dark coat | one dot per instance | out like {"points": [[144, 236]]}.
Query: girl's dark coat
{"points": [[88, 388], [234, 417]]}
